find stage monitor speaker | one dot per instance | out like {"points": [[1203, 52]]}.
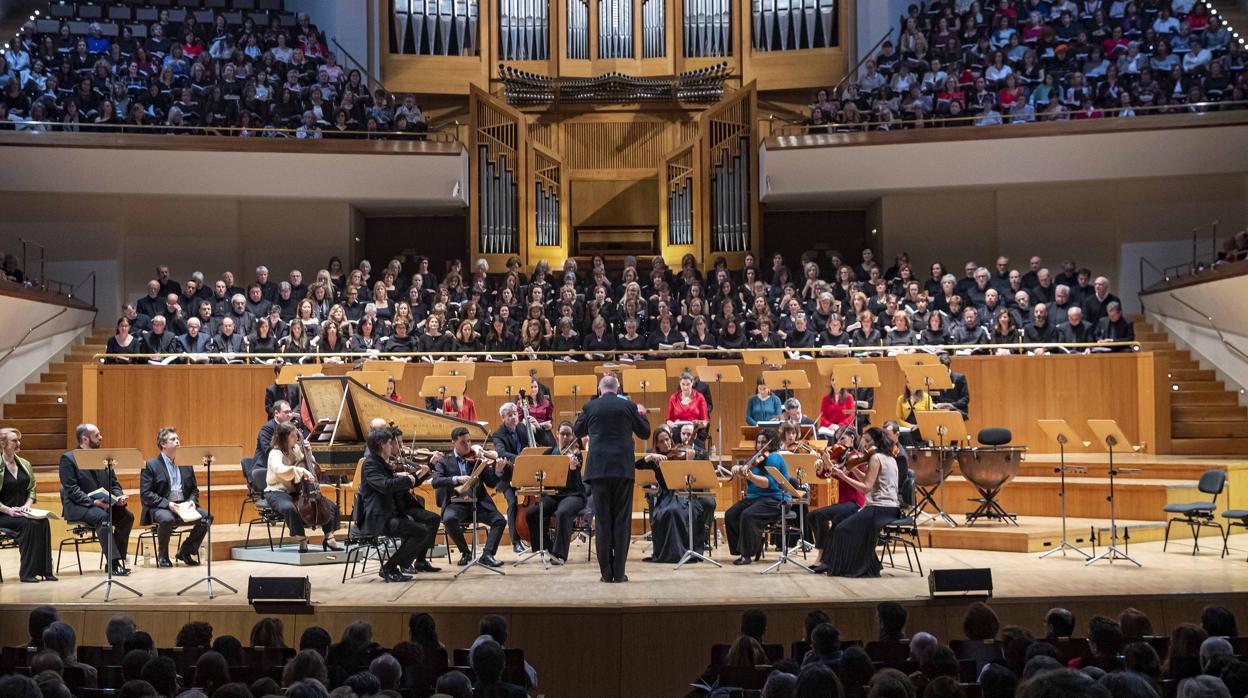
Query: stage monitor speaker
{"points": [[276, 593], [975, 581]]}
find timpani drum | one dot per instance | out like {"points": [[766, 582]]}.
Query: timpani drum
{"points": [[989, 470]]}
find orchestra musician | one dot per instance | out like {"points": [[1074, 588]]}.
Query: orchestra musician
{"points": [[412, 506], [851, 548], [610, 421], [956, 398], [454, 469], [17, 494], [687, 405], [821, 522], [563, 505], [377, 515], [541, 412], [669, 519], [163, 485], [77, 484], [509, 439], [746, 520], [278, 391], [283, 413], [289, 464]]}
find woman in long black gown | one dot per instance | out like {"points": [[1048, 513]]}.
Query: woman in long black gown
{"points": [[669, 526], [852, 549], [17, 494]]}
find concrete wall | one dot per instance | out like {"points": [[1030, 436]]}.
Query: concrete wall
{"points": [[875, 18], [19, 315], [345, 20]]}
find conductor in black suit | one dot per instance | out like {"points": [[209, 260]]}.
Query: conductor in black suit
{"points": [[610, 421], [162, 484], [379, 487], [956, 398], [277, 391], [76, 505], [454, 469]]}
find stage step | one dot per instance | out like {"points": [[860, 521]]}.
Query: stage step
{"points": [[42, 456], [26, 410], [1038, 534], [1209, 429], [1203, 386], [46, 386], [40, 398], [40, 425], [1141, 499], [1203, 398], [1202, 446], [41, 441], [1185, 413], [1192, 374]]}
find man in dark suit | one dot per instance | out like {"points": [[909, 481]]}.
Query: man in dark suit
{"points": [[163, 484], [408, 504], [159, 340], [956, 398], [509, 440], [282, 413], [610, 422], [278, 391], [379, 487], [454, 469], [77, 505], [195, 341], [153, 302]]}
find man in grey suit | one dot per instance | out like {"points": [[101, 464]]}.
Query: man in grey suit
{"points": [[610, 421]]}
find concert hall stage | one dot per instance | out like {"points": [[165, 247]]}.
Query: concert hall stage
{"points": [[651, 636]]}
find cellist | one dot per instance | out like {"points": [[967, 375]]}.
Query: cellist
{"points": [[288, 468]]}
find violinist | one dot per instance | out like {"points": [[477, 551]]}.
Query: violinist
{"points": [[669, 520], [411, 506], [850, 551], [455, 469], [747, 519], [377, 514], [565, 504], [288, 466], [821, 522]]}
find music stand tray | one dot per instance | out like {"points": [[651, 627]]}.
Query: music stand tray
{"points": [[1061, 432], [533, 368], [950, 429], [1109, 437], [107, 459], [795, 496], [539, 475], [455, 368], [679, 365], [375, 381], [291, 373], [442, 387], [507, 386], [645, 380], [576, 387], [826, 365], [717, 375], [393, 369], [209, 455], [691, 476], [767, 358]]}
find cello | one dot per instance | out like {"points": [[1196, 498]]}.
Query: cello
{"points": [[312, 506]]}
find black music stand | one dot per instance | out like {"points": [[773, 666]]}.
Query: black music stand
{"points": [[1109, 436], [108, 457], [536, 472], [208, 455], [697, 475], [1060, 431], [470, 498], [795, 495]]}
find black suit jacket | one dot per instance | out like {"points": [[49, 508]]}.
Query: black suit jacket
{"points": [[378, 490], [275, 392], [444, 482], [260, 458], [610, 422], [76, 483], [506, 449], [154, 487], [959, 395]]}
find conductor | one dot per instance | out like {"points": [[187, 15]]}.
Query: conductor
{"points": [[610, 421]]}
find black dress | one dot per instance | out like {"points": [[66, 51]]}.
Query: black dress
{"points": [[34, 537], [114, 348], [669, 519], [851, 552]]}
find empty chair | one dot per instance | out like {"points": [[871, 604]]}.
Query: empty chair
{"points": [[1199, 514], [1234, 517]]}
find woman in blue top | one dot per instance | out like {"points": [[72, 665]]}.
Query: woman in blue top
{"points": [[763, 406], [747, 519]]}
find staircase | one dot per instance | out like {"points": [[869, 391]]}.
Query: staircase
{"points": [[1205, 417], [40, 412]]}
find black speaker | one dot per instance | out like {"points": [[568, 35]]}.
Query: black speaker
{"points": [[288, 590], [975, 581]]}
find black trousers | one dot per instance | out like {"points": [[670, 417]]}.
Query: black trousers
{"points": [[413, 539], [113, 542], [166, 521], [821, 522], [613, 517], [455, 514], [284, 504], [509, 494], [563, 508], [429, 520], [746, 521], [34, 543]]}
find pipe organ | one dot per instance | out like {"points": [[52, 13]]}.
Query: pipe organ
{"points": [[615, 29], [654, 29], [708, 28], [679, 171], [790, 25], [524, 30], [578, 29], [435, 27]]}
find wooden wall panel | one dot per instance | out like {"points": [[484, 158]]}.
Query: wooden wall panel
{"points": [[223, 404], [615, 203]]}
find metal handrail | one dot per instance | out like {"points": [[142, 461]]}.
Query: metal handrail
{"points": [[805, 352], [41, 323], [1140, 293], [257, 131], [867, 56], [89, 277], [1213, 325], [362, 68]]}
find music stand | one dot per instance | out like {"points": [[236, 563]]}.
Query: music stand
{"points": [[766, 358], [455, 368], [603, 369], [290, 373], [691, 476], [795, 495], [375, 381], [537, 368], [675, 367], [794, 379], [107, 459], [717, 375], [799, 465], [230, 455], [827, 364], [574, 387], [920, 359], [441, 387], [855, 376], [507, 386], [394, 369], [645, 380], [460, 498], [932, 376], [1109, 437], [540, 475], [1061, 432], [949, 429]]}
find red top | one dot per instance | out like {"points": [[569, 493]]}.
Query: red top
{"points": [[839, 413], [695, 411], [467, 408]]}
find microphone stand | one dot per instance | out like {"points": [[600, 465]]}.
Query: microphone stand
{"points": [[109, 582]]}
